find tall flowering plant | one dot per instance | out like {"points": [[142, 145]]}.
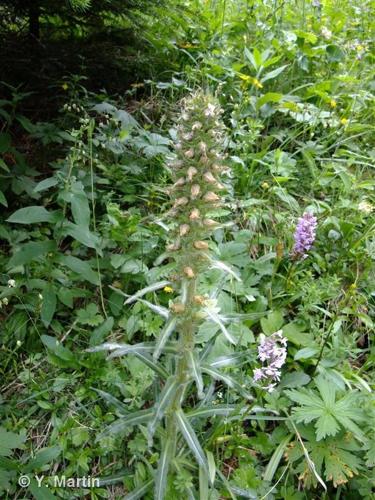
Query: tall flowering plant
{"points": [[198, 189]]}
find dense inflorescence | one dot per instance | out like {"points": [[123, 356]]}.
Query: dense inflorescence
{"points": [[197, 188], [272, 353], [304, 235]]}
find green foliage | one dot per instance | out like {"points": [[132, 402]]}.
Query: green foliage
{"points": [[83, 230]]}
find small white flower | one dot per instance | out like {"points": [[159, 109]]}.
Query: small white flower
{"points": [[11, 283], [326, 33], [365, 206]]}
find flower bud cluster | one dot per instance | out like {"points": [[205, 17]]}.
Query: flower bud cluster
{"points": [[197, 188], [272, 353]]}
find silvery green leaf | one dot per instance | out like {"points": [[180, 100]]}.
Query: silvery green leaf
{"points": [[197, 374], [229, 381], [111, 400], [191, 439], [163, 467], [165, 398], [147, 360], [107, 346], [229, 359], [140, 491], [164, 336], [162, 311], [147, 289], [217, 264], [222, 410], [217, 319], [126, 422]]}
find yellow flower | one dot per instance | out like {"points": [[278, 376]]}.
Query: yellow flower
{"points": [[359, 48], [265, 185], [65, 86], [344, 121], [257, 83], [168, 289], [332, 103]]}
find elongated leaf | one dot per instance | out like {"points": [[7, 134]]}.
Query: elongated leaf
{"points": [[147, 360], [197, 374], [217, 264], [229, 381], [80, 267], [31, 251], [111, 400], [162, 311], [163, 468], [126, 422], [230, 359], [164, 336], [274, 73], [275, 459], [140, 491], [83, 235], [166, 396], [32, 215], [147, 289], [46, 184], [48, 306], [191, 439], [216, 319], [223, 410]]}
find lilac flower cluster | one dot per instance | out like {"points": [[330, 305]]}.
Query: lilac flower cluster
{"points": [[304, 235], [272, 351]]}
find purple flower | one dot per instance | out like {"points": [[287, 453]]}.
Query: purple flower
{"points": [[272, 353], [304, 235]]}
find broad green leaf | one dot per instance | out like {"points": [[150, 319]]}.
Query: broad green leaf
{"points": [[40, 492], [9, 441], [274, 73], [58, 349], [43, 456], [3, 200], [48, 305], [80, 209], [101, 331], [46, 184], [272, 323], [80, 267], [32, 215], [83, 235], [269, 97], [31, 251]]}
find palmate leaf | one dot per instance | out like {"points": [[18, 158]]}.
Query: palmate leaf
{"points": [[329, 414]]}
